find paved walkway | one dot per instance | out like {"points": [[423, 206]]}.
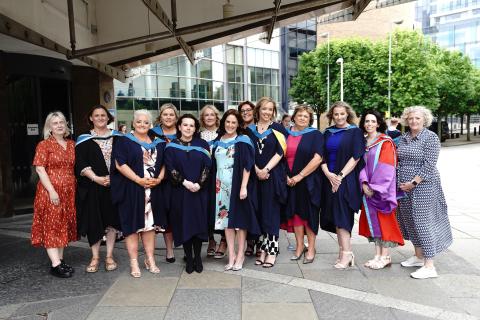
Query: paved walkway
{"points": [[289, 290]]}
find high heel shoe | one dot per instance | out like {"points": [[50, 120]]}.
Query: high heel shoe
{"points": [[295, 258], [238, 265], [340, 250], [309, 260], [350, 263], [151, 266], [135, 269]]}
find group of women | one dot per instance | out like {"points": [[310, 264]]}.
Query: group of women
{"points": [[243, 176]]}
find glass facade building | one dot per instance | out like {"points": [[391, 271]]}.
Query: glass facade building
{"points": [[296, 39], [452, 24], [225, 75]]}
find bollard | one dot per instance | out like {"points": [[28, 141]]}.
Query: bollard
{"points": [[457, 135], [452, 135], [474, 131]]}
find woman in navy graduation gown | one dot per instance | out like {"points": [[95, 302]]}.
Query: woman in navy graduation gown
{"points": [[268, 138], [188, 163], [138, 161], [235, 199], [165, 129], [96, 215], [344, 147], [304, 155]]}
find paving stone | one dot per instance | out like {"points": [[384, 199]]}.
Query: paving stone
{"points": [[9, 309], [449, 262], [460, 286], [254, 290], [278, 311], [76, 306], [205, 304], [287, 269], [403, 315], [350, 278], [209, 280], [140, 292], [469, 305], [332, 307], [127, 313], [424, 292]]}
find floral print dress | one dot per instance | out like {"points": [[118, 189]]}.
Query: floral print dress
{"points": [[223, 183]]}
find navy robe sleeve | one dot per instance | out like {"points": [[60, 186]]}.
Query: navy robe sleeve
{"points": [[353, 146]]}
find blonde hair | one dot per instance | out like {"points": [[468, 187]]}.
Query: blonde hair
{"points": [[47, 129], [306, 108], [214, 109], [351, 118], [164, 107], [262, 101], [143, 112], [427, 114]]}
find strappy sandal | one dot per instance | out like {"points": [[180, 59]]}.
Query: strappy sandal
{"points": [[267, 264], [349, 264], [151, 266], [110, 264], [381, 263], [211, 248], [220, 254], [259, 261], [93, 266], [370, 262], [250, 248], [135, 269]]}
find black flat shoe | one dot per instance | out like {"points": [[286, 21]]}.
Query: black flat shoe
{"points": [[66, 266], [198, 266], [60, 272], [189, 267], [170, 260]]}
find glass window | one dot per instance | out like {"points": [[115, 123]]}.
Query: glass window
{"points": [[275, 77], [151, 86], [205, 69], [231, 72], [217, 90], [238, 73], [267, 76], [189, 105], [149, 104], [259, 75], [168, 67], [260, 92], [124, 104], [239, 55], [217, 71], [205, 89], [251, 75], [186, 69], [230, 53], [251, 93], [121, 89], [251, 56], [275, 95], [267, 58], [138, 87], [235, 91], [217, 53], [168, 87], [258, 57], [275, 60]]}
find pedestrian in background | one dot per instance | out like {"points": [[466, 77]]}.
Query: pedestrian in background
{"points": [[378, 222], [344, 148], [54, 216], [422, 213], [97, 215]]}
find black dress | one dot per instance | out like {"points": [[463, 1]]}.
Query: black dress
{"points": [[95, 210]]}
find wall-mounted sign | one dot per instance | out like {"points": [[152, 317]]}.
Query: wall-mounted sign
{"points": [[32, 129]]}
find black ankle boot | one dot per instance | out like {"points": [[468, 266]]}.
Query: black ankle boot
{"points": [[198, 264], [60, 272], [187, 248], [67, 266], [197, 250]]}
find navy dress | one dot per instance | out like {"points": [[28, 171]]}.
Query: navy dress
{"points": [[188, 212], [338, 208], [130, 196], [272, 193], [305, 197], [242, 213]]}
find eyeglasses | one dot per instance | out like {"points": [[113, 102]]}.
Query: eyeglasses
{"points": [[246, 111]]}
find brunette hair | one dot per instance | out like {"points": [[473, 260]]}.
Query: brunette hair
{"points": [[260, 103], [231, 112], [351, 118], [245, 103], [382, 125], [187, 116], [99, 106], [306, 108]]}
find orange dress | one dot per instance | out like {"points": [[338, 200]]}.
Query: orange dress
{"points": [[54, 226]]}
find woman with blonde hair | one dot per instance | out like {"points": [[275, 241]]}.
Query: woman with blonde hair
{"points": [[54, 215], [344, 146], [165, 128], [422, 212]]}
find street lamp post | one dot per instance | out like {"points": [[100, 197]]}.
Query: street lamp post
{"points": [[397, 22], [327, 35], [340, 62]]}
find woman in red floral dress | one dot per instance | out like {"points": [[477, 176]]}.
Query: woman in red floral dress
{"points": [[54, 214]]}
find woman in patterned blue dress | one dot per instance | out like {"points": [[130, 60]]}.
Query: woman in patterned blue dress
{"points": [[235, 187], [422, 212], [270, 144]]}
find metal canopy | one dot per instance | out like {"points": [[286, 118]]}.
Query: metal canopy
{"points": [[117, 35]]}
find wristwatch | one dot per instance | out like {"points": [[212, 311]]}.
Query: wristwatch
{"points": [[340, 174], [414, 182]]}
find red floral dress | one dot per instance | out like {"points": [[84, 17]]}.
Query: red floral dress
{"points": [[54, 226]]}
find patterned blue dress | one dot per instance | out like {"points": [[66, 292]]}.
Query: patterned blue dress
{"points": [[422, 213], [223, 183]]}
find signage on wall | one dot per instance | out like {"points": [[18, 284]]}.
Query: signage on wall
{"points": [[32, 129]]}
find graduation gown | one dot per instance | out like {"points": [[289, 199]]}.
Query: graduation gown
{"points": [[188, 211], [272, 193], [95, 210], [242, 213], [305, 197], [130, 196], [339, 208]]}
